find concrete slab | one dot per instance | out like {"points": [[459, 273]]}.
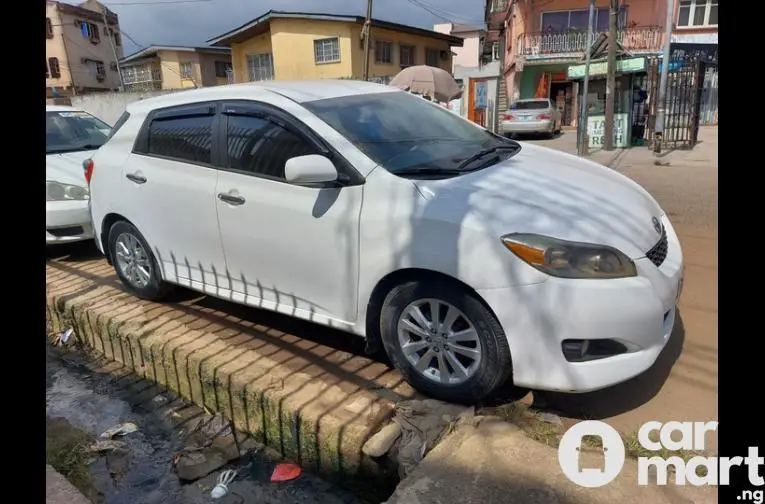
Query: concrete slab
{"points": [[59, 491], [495, 463]]}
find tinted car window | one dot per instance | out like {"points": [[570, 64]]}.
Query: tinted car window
{"points": [[530, 105], [259, 146], [187, 138]]}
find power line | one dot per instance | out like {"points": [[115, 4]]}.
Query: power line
{"points": [[442, 14]]}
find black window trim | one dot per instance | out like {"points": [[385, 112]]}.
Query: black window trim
{"points": [[347, 174], [207, 108]]}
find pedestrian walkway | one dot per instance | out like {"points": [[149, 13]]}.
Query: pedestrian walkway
{"points": [[59, 491]]}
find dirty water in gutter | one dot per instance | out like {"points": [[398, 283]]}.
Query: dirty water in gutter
{"points": [[82, 404]]}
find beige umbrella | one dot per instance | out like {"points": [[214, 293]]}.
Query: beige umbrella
{"points": [[428, 81]]}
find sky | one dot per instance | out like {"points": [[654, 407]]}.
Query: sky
{"points": [[192, 22]]}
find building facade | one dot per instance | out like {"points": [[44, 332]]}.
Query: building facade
{"points": [[298, 46], [175, 67], [83, 46], [468, 55]]}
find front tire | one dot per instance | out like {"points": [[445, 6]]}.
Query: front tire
{"points": [[444, 341], [134, 262]]}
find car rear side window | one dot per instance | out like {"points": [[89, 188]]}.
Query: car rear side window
{"points": [[262, 147], [185, 138], [120, 122]]}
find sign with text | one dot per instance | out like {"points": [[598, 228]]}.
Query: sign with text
{"points": [[596, 131], [630, 65]]}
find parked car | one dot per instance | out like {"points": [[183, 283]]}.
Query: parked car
{"points": [[71, 136], [532, 116], [471, 258]]}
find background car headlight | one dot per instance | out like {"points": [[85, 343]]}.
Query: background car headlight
{"points": [[56, 191], [567, 259]]}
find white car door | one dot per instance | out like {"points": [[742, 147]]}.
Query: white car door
{"points": [[288, 248], [169, 182]]}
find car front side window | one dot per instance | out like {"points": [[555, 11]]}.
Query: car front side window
{"points": [[184, 138]]}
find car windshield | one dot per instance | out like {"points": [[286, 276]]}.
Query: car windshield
{"points": [[530, 105], [72, 131], [410, 136]]}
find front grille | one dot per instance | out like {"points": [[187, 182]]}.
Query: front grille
{"points": [[658, 253], [64, 232]]}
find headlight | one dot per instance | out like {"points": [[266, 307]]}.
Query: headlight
{"points": [[567, 259], [56, 191]]}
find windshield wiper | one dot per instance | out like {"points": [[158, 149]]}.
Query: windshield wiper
{"points": [[429, 171], [79, 148], [485, 152]]}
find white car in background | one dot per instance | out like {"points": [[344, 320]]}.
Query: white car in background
{"points": [[71, 137], [537, 116], [474, 259]]}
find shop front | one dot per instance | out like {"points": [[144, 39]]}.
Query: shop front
{"points": [[630, 105], [550, 81]]}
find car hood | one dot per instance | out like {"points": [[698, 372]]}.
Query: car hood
{"points": [[548, 192], [67, 167]]}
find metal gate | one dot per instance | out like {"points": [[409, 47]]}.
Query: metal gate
{"points": [[685, 79]]}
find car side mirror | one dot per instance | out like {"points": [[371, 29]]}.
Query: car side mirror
{"points": [[310, 169]]}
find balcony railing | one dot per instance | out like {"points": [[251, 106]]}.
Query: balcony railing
{"points": [[573, 44]]}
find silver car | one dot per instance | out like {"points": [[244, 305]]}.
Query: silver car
{"points": [[534, 115]]}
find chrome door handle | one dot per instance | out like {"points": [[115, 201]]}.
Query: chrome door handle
{"points": [[138, 179], [230, 199]]}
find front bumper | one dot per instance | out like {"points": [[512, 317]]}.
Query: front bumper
{"points": [[545, 126], [638, 312], [67, 222]]}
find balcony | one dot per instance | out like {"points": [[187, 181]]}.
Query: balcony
{"points": [[497, 12], [572, 45]]}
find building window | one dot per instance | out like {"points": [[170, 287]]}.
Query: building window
{"points": [[383, 52], [576, 20], [406, 55], [47, 72], [498, 5], [55, 69], [260, 67], [432, 57], [495, 51], [222, 68], [48, 28], [116, 36], [100, 70], [695, 13], [326, 50], [90, 31], [186, 70]]}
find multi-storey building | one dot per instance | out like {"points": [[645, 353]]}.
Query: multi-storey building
{"points": [[174, 67], [83, 46]]}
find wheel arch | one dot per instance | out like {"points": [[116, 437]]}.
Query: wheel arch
{"points": [[106, 224], [398, 277]]}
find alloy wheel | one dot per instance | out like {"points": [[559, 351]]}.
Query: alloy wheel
{"points": [[133, 260]]}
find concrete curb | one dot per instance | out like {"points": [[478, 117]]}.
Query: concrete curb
{"points": [[58, 490], [320, 425]]}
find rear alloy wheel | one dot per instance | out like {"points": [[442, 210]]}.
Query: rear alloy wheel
{"points": [[444, 341], [134, 263]]}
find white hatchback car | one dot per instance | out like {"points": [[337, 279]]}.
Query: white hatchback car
{"points": [[71, 137], [472, 258]]}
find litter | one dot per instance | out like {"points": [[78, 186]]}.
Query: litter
{"points": [[120, 430], [209, 445], [286, 471], [224, 480], [106, 446], [63, 337], [550, 418]]}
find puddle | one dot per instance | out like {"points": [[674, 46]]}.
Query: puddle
{"points": [[82, 404]]}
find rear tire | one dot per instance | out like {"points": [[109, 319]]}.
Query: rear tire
{"points": [[463, 358], [135, 263]]}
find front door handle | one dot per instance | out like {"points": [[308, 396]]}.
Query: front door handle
{"points": [[231, 199], [138, 179]]}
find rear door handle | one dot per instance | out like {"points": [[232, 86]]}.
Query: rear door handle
{"points": [[231, 199], [138, 179]]}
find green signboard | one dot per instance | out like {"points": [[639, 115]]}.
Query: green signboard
{"points": [[630, 65]]}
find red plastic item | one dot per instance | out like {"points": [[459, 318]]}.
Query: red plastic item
{"points": [[285, 472]]}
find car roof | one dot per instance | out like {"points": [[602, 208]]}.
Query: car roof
{"points": [[298, 91], [60, 108]]}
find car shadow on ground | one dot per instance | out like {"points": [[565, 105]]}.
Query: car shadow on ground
{"points": [[77, 251], [535, 136], [623, 397]]}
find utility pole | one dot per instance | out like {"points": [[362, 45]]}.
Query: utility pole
{"points": [[110, 35], [367, 42], [584, 138], [608, 129], [658, 128]]}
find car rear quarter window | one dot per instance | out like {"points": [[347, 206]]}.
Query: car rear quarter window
{"points": [[262, 147], [185, 138]]}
